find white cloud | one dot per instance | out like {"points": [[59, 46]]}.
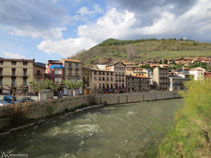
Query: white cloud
{"points": [[85, 11], [55, 33], [113, 24], [13, 55], [66, 47], [196, 22]]}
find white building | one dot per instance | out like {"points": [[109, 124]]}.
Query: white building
{"points": [[198, 73]]}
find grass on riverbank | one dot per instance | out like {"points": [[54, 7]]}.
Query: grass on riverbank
{"points": [[191, 138]]}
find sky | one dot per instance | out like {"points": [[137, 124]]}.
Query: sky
{"points": [[54, 29]]}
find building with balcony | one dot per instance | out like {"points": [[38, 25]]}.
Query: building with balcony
{"points": [[16, 73], [105, 78], [39, 71], [176, 83], [138, 83], [72, 69], [55, 71], [161, 78]]}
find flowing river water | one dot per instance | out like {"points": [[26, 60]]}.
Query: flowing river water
{"points": [[116, 131]]}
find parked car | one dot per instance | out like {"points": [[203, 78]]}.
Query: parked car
{"points": [[25, 99], [8, 98], [2, 103]]}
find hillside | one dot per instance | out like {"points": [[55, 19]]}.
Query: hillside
{"points": [[139, 50]]}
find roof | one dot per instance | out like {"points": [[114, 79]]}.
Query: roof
{"points": [[72, 60], [40, 64], [7, 59], [197, 69], [118, 63]]}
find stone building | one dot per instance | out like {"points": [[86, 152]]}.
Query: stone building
{"points": [[161, 78], [39, 71], [176, 83], [16, 73], [138, 83], [105, 78], [72, 69]]}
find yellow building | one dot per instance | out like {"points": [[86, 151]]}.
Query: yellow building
{"points": [[16, 73]]}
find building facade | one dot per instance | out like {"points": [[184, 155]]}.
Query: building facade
{"points": [[55, 71], [39, 71], [72, 69], [176, 83], [198, 73], [104, 79], [16, 73], [161, 78], [138, 84]]}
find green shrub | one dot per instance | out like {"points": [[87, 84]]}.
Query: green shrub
{"points": [[192, 135]]}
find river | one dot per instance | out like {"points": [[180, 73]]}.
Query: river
{"points": [[116, 131]]}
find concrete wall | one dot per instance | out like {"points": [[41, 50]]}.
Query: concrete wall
{"points": [[134, 97], [42, 109]]}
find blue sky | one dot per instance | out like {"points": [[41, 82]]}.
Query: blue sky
{"points": [[54, 29]]}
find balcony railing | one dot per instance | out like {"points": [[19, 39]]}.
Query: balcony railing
{"points": [[38, 75]]}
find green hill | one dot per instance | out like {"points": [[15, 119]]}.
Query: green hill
{"points": [[139, 50]]}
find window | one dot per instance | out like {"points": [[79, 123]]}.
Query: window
{"points": [[25, 81], [1, 70], [107, 73], [13, 62], [13, 72], [13, 81], [107, 78], [25, 63], [70, 65], [24, 72], [95, 78], [76, 66], [38, 72], [95, 72], [99, 78], [1, 82], [58, 71], [103, 73], [99, 73], [103, 79], [70, 72], [1, 62], [111, 79]]}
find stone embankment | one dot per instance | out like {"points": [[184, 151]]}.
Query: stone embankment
{"points": [[42, 109]]}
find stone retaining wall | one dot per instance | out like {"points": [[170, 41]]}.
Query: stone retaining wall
{"points": [[42, 109]]}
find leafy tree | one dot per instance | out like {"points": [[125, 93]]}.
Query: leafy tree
{"points": [[173, 62], [73, 84], [165, 61], [160, 62], [38, 86]]}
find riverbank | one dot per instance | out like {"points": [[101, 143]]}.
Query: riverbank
{"points": [[191, 136], [119, 130], [17, 114]]}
